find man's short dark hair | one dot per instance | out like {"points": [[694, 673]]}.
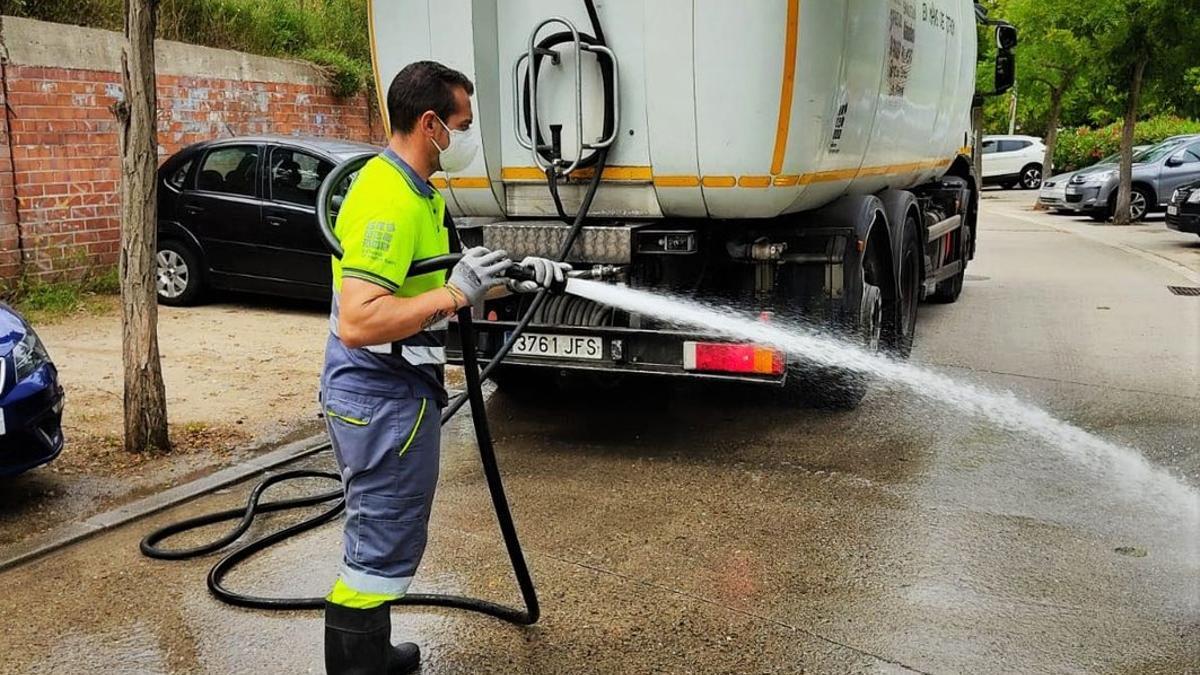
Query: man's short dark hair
{"points": [[421, 86]]}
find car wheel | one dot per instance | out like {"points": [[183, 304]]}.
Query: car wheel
{"points": [[1031, 177], [1139, 205], [177, 274]]}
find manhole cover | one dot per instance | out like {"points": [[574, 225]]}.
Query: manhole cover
{"points": [[1185, 290]]}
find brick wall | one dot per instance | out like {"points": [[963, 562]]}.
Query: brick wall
{"points": [[59, 162]]}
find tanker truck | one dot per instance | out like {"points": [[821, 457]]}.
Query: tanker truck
{"points": [[804, 161]]}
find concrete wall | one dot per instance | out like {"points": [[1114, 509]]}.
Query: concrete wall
{"points": [[59, 162]]}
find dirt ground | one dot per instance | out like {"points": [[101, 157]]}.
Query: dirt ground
{"points": [[236, 371], [241, 377]]}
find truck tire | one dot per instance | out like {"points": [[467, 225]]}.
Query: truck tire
{"points": [[842, 388], [834, 388], [909, 292]]}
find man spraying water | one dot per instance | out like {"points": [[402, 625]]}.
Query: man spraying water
{"points": [[382, 388]]}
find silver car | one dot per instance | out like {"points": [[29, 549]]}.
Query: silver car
{"points": [[1053, 194], [1157, 171]]}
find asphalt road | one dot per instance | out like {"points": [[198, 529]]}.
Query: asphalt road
{"points": [[702, 529]]}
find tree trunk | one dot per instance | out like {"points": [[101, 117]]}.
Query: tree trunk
{"points": [[145, 394], [1121, 210], [1056, 94]]}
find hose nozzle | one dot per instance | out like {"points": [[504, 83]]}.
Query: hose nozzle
{"points": [[597, 272], [518, 273]]}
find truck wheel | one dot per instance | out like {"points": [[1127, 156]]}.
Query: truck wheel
{"points": [[842, 388], [909, 293]]}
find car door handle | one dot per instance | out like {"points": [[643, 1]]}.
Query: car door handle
{"points": [[276, 220], [193, 209]]}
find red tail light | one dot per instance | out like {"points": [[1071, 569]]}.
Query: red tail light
{"points": [[732, 358]]}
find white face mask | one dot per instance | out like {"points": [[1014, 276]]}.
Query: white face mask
{"points": [[460, 152]]}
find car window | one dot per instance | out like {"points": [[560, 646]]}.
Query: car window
{"points": [[229, 169], [1190, 155], [989, 147], [1013, 146], [179, 176], [1157, 152], [296, 176]]}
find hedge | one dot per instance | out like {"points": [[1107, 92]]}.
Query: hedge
{"points": [[1083, 146]]}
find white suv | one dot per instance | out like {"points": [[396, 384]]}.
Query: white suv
{"points": [[1013, 160]]}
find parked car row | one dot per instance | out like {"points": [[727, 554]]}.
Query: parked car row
{"points": [[1158, 172], [1053, 193]]}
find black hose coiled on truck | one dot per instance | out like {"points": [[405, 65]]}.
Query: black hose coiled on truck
{"points": [[150, 544]]}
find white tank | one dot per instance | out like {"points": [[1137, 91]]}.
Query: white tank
{"points": [[728, 109]]}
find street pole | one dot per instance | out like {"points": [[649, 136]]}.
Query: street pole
{"points": [[1012, 112]]}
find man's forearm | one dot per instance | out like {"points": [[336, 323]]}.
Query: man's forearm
{"points": [[367, 317]]}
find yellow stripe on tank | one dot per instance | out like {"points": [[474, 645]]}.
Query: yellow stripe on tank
{"points": [[787, 87]]}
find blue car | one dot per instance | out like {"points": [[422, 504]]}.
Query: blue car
{"points": [[31, 399]]}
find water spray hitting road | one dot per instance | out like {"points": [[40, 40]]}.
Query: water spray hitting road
{"points": [[1001, 409]]}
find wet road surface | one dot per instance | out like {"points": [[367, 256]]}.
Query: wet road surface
{"points": [[706, 529]]}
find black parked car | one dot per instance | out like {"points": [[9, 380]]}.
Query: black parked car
{"points": [[1183, 211], [240, 214]]}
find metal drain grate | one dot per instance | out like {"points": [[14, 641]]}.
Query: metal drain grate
{"points": [[1185, 290]]}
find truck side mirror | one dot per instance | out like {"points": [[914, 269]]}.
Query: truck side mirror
{"points": [[1006, 37], [1006, 72]]}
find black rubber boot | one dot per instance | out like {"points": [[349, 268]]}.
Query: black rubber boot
{"points": [[357, 642]]}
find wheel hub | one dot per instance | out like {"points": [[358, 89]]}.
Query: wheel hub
{"points": [[871, 316], [172, 274]]}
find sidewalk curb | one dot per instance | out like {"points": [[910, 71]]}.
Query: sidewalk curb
{"points": [[1149, 256], [103, 522]]}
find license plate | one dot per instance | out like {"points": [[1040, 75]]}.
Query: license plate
{"points": [[1172, 210], [1072, 191], [559, 346]]}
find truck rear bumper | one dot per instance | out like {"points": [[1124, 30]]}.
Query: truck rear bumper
{"points": [[622, 351]]}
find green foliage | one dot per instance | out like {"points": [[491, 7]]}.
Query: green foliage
{"points": [[1084, 146], [332, 33], [1103, 38], [347, 76], [42, 300]]}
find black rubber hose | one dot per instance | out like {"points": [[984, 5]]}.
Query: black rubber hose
{"points": [[606, 79], [538, 299], [149, 545]]}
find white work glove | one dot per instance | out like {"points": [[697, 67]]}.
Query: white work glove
{"points": [[545, 272], [479, 271]]}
